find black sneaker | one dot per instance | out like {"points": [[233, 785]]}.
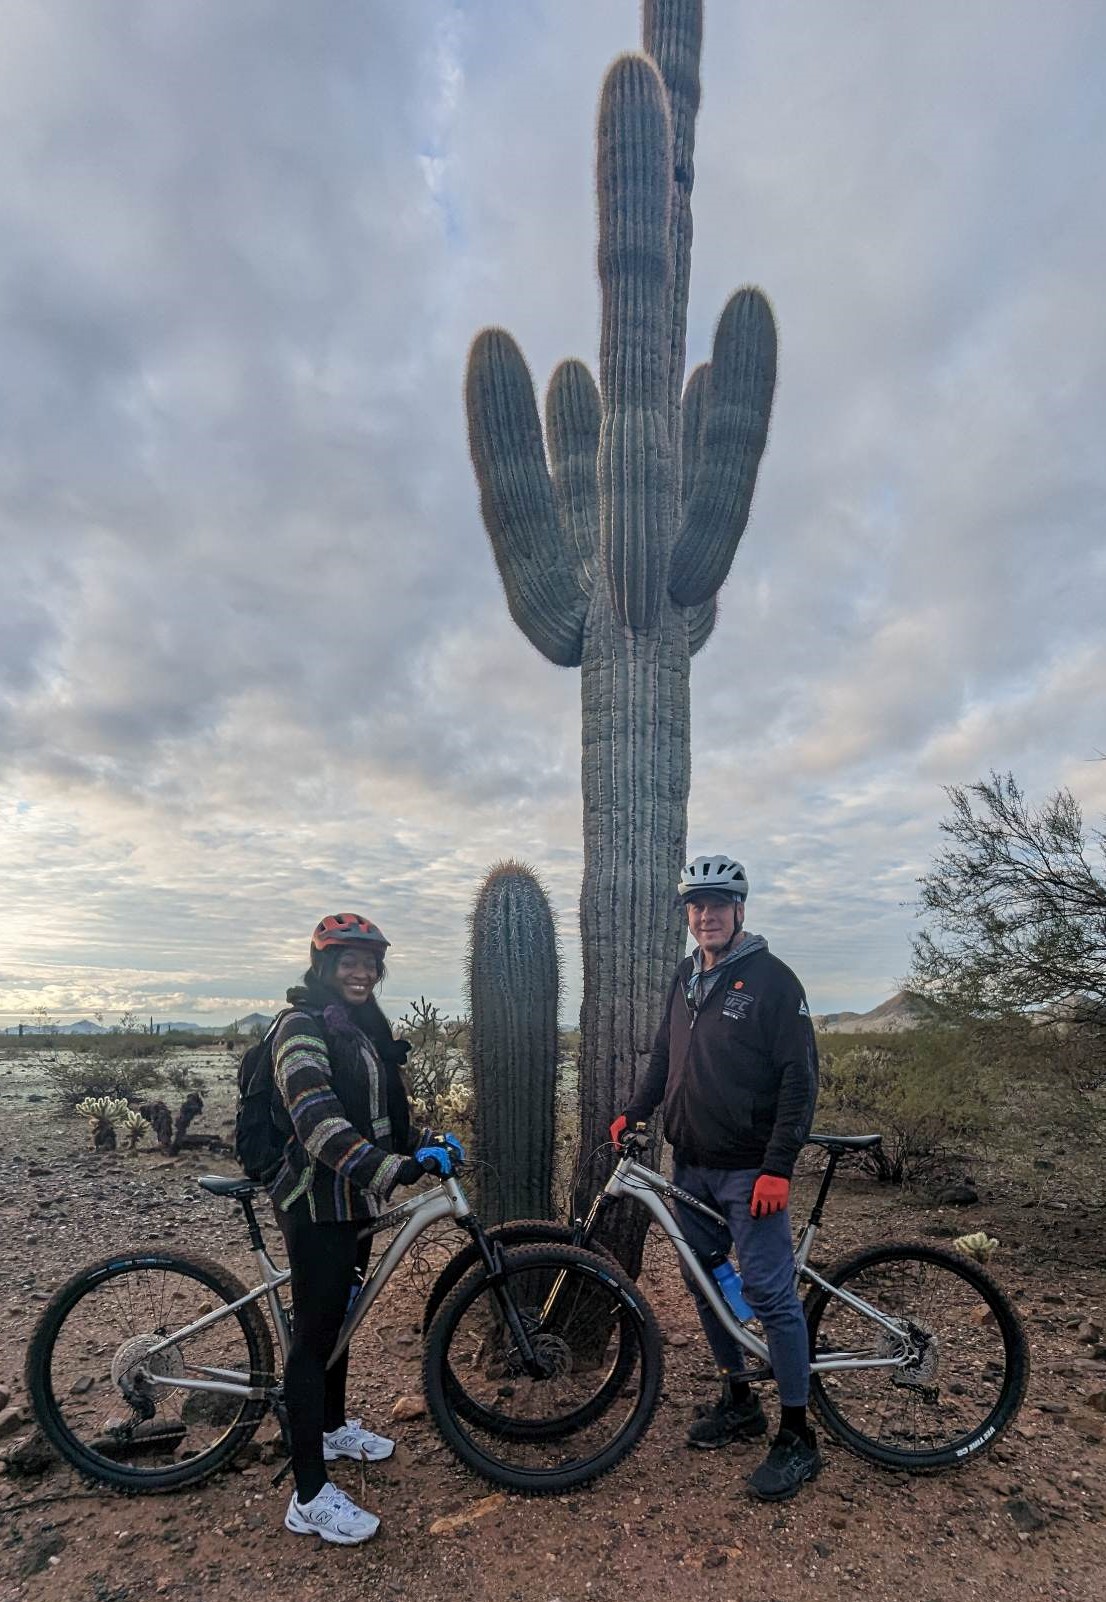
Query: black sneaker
{"points": [[791, 1462], [726, 1421]]}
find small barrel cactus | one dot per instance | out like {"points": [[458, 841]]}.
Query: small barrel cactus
{"points": [[514, 989]]}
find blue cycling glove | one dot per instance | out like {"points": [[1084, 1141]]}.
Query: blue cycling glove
{"points": [[455, 1147], [435, 1160]]}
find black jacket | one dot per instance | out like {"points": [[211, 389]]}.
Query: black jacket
{"points": [[738, 1079]]}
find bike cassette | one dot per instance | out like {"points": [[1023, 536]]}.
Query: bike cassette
{"points": [[136, 1359]]}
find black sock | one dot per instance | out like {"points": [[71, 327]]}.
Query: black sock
{"points": [[794, 1419], [736, 1390]]}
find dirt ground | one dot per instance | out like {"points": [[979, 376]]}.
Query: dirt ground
{"points": [[1026, 1520]]}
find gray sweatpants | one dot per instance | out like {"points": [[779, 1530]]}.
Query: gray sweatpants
{"points": [[765, 1256]]}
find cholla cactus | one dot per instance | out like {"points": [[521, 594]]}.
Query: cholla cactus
{"points": [[980, 1245], [137, 1128], [103, 1113], [614, 535]]}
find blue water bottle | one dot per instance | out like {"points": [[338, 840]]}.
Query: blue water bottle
{"points": [[728, 1281]]}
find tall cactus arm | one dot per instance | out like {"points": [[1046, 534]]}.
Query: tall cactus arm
{"points": [[516, 499], [700, 623], [672, 33], [635, 272], [572, 430], [733, 435], [694, 413]]}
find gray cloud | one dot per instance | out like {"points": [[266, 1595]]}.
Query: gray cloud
{"points": [[255, 661]]}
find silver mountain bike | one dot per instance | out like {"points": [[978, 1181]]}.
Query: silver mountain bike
{"points": [[149, 1370], [918, 1359]]}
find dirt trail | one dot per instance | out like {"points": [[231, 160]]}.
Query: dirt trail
{"points": [[1025, 1521]]}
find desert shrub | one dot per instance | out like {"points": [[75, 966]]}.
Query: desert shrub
{"points": [[437, 1074], [93, 1072], [926, 1091], [182, 1076], [1047, 1081]]}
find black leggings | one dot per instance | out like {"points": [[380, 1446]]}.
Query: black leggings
{"points": [[322, 1258]]}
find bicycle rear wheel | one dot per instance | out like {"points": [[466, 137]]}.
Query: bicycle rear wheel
{"points": [[599, 1348], [102, 1362], [967, 1361]]}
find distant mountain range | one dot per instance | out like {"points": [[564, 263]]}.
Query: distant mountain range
{"points": [[86, 1026], [901, 1012]]}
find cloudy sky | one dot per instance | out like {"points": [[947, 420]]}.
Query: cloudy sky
{"points": [[255, 663]]}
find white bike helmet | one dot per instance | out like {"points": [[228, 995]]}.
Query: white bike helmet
{"points": [[719, 873]]}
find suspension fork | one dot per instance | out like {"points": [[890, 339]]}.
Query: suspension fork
{"points": [[493, 1254]]}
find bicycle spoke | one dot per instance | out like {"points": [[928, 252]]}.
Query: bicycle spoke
{"points": [[960, 1367], [111, 1363], [562, 1410]]}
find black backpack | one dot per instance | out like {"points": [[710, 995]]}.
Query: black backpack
{"points": [[260, 1134]]}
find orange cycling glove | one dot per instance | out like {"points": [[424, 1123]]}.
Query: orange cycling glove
{"points": [[770, 1195]]}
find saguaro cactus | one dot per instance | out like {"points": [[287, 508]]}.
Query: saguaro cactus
{"points": [[613, 547], [514, 989]]}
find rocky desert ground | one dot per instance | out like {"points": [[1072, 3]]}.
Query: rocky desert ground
{"points": [[1025, 1521]]}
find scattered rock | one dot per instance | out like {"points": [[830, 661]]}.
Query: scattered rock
{"points": [[1097, 1400], [37, 1553], [1026, 1516], [1088, 1333], [11, 1419], [79, 1386], [31, 1455], [957, 1196], [5, 1396], [409, 1407], [469, 1515]]}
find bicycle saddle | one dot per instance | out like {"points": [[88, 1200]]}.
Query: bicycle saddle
{"points": [[844, 1142], [227, 1185]]}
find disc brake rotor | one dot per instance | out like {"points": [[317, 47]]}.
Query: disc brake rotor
{"points": [[554, 1355], [920, 1372]]}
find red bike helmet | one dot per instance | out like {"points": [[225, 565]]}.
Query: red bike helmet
{"points": [[346, 929]]}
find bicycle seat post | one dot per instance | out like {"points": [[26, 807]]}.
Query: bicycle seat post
{"points": [[824, 1189], [256, 1242]]}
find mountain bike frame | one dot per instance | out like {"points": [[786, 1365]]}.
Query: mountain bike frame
{"points": [[653, 1191], [410, 1219]]}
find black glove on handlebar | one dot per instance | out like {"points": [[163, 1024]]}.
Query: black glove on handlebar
{"points": [[408, 1173]]}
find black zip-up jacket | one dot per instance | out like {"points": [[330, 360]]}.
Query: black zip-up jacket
{"points": [[739, 1078]]}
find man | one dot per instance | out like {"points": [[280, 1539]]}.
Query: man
{"points": [[736, 1066]]}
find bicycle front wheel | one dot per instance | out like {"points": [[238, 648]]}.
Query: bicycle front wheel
{"points": [[116, 1379], [596, 1349], [964, 1359]]}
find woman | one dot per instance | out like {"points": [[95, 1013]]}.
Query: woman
{"points": [[336, 1068]]}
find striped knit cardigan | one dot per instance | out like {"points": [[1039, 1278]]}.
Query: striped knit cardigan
{"points": [[340, 1154]]}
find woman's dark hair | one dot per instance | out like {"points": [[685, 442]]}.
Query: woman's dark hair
{"points": [[318, 993], [328, 965]]}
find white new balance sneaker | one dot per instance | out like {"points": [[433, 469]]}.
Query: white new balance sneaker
{"points": [[333, 1516], [352, 1441]]}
